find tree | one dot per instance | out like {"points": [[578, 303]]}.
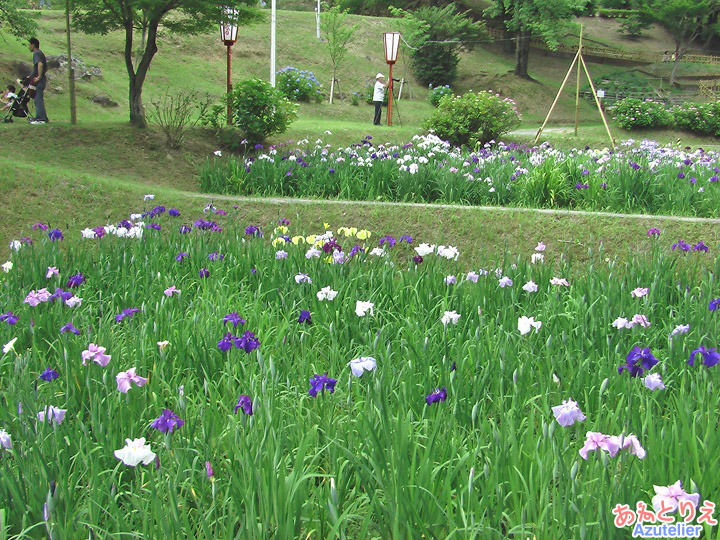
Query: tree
{"points": [[436, 36], [178, 16], [15, 22], [525, 18], [684, 19], [337, 34]]}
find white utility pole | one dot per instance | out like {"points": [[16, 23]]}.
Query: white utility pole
{"points": [[317, 17], [272, 44]]}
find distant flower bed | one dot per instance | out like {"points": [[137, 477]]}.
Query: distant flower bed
{"points": [[635, 178]]}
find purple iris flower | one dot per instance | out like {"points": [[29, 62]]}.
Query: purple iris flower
{"points": [[157, 211], [437, 396], [154, 226], [55, 235], [355, 250], [125, 224], [167, 422], [453, 367], [681, 245], [320, 383], [252, 230], [233, 318], [644, 356], [40, 226], [331, 170], [305, 317], [700, 246], [49, 375], [714, 304], [99, 232], [408, 239], [417, 259], [174, 212], [128, 312], [215, 256], [75, 281], [226, 343], [204, 273], [180, 256], [62, 295], [653, 232], [248, 342], [9, 318], [70, 328], [710, 357], [580, 185], [389, 239], [184, 229], [681, 175], [244, 402]]}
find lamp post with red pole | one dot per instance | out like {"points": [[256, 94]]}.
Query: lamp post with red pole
{"points": [[392, 44], [228, 34]]}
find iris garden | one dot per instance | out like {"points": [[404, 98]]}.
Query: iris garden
{"points": [[199, 375]]}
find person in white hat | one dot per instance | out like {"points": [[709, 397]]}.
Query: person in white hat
{"points": [[378, 96]]}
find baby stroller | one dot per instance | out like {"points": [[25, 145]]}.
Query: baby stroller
{"points": [[19, 105]]}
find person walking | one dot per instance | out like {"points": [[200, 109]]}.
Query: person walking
{"points": [[39, 80], [378, 96]]}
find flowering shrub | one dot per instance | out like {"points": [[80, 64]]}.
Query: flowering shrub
{"points": [[700, 118], [298, 85], [473, 118], [634, 113], [215, 395], [439, 92], [259, 110]]}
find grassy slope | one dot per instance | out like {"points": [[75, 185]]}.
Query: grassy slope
{"points": [[89, 174]]}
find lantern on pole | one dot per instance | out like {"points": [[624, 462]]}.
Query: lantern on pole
{"points": [[228, 35], [391, 41]]}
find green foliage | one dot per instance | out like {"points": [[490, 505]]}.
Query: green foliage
{"points": [[368, 92], [15, 21], [634, 24], [355, 99], [259, 110], [615, 13], [622, 82], [700, 118], [473, 118], [337, 35], [683, 19], [633, 113], [177, 113], [298, 85], [439, 92], [433, 62]]}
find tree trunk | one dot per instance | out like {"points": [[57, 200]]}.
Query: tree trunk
{"points": [[137, 76], [675, 64], [522, 54]]}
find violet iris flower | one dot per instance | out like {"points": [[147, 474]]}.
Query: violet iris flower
{"points": [[681, 245], [408, 239], [55, 235], [320, 383], [40, 226], [437, 396], [184, 229], [248, 342], [644, 356], [167, 422], [653, 232], [62, 295], [710, 357], [9, 318], [714, 304], [244, 402], [700, 246], [70, 328], [174, 212], [233, 318], [49, 375], [75, 281], [215, 256], [129, 312], [204, 273], [389, 239], [305, 317], [180, 256], [252, 230], [417, 259], [226, 343]]}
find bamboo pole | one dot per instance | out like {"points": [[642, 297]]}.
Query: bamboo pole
{"points": [[577, 88], [597, 101], [332, 89], [557, 97]]}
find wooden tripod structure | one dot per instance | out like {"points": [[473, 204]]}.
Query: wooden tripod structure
{"points": [[579, 60]]}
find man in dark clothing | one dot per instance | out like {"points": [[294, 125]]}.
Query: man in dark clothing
{"points": [[38, 79]]}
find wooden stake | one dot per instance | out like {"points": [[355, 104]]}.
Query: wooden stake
{"points": [[557, 97], [597, 102], [577, 88], [402, 82], [332, 90]]}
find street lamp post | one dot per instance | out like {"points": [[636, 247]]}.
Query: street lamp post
{"points": [[392, 44], [228, 34]]}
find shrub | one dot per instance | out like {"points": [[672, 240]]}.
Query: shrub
{"points": [[700, 118], [299, 85], [438, 92], [355, 99], [259, 110], [633, 113], [473, 118], [176, 114]]}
